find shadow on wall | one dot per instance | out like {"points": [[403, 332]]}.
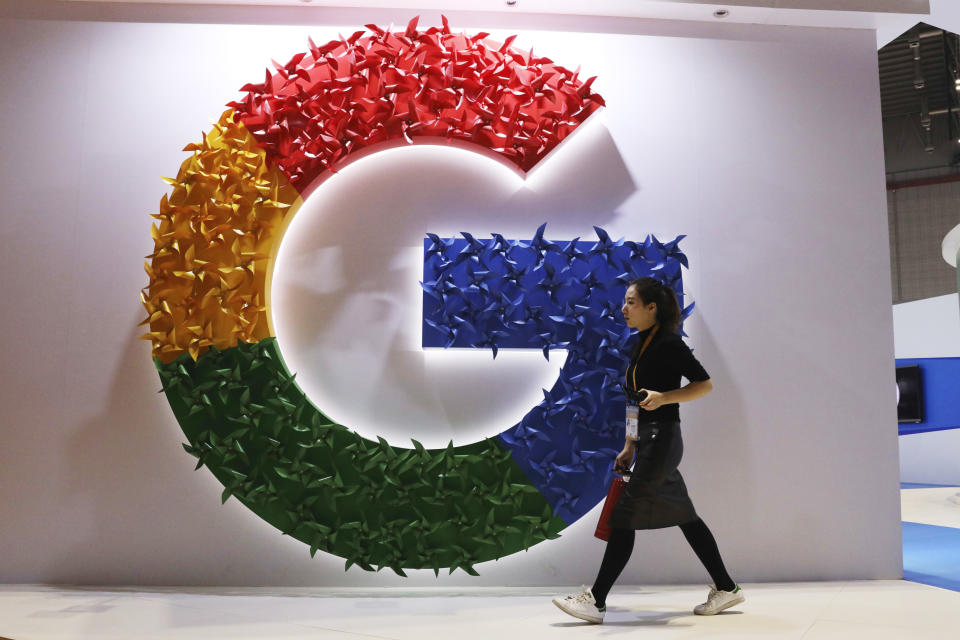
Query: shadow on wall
{"points": [[742, 509], [140, 489]]}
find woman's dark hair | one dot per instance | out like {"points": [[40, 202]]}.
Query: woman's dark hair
{"points": [[668, 309]]}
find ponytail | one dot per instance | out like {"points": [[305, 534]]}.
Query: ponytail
{"points": [[668, 309]]}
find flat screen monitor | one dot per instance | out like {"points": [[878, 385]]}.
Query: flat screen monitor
{"points": [[910, 394]]}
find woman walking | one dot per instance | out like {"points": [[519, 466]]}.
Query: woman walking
{"points": [[655, 496]]}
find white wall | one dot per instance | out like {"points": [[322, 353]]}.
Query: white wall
{"points": [[763, 144], [931, 458], [929, 328]]}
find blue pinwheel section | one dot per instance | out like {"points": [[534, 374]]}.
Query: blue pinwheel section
{"points": [[498, 293]]}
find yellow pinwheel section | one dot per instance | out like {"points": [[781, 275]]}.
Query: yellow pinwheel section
{"points": [[215, 241]]}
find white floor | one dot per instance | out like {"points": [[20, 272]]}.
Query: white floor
{"points": [[812, 611], [939, 506], [878, 610]]}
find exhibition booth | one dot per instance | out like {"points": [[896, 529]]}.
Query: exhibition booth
{"points": [[354, 322]]}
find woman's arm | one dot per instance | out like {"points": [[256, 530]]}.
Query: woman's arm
{"points": [[625, 457], [692, 391]]}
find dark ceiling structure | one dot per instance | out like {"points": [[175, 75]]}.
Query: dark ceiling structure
{"points": [[920, 100]]}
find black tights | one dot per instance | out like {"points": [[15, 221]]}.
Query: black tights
{"points": [[620, 546]]}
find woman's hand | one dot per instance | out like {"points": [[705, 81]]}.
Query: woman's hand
{"points": [[624, 459], [654, 400]]}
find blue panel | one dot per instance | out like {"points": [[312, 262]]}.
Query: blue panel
{"points": [[931, 555], [922, 485], [941, 391], [541, 294]]}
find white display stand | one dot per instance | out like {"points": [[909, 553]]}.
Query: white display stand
{"points": [[951, 246]]}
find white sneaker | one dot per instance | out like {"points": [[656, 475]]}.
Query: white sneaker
{"points": [[717, 601], [581, 605]]}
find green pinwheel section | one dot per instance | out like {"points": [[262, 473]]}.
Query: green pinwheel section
{"points": [[376, 505]]}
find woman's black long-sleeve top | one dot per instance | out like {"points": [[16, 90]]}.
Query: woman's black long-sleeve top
{"points": [[666, 360]]}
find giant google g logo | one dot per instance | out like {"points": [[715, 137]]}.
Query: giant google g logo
{"points": [[208, 298]]}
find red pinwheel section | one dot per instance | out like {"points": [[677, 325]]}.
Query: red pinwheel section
{"points": [[380, 86]]}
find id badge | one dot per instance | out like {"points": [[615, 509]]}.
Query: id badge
{"points": [[633, 418]]}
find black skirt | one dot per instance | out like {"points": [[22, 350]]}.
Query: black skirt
{"points": [[655, 496]]}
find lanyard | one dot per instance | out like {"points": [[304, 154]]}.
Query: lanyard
{"points": [[646, 343]]}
